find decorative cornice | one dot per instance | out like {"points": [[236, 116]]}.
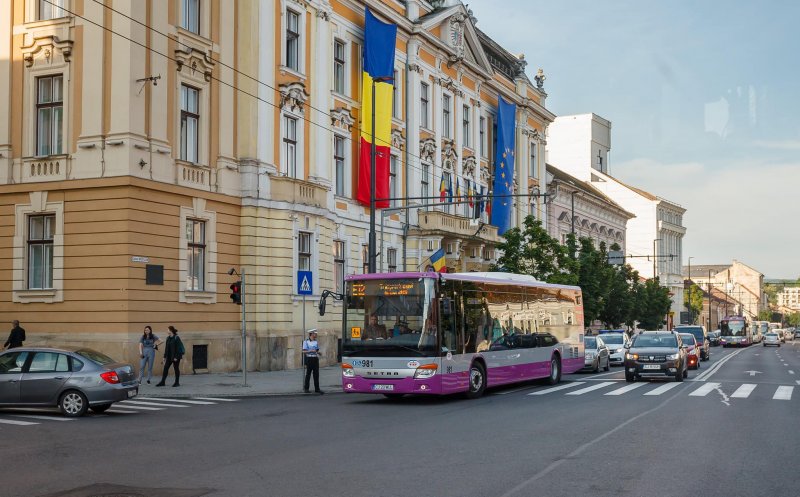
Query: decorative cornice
{"points": [[427, 149], [324, 10], [398, 141], [341, 118], [46, 44], [449, 154], [451, 85], [196, 60], [293, 95], [486, 176], [415, 68]]}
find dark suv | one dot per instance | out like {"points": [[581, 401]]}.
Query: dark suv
{"points": [[703, 342], [656, 354]]}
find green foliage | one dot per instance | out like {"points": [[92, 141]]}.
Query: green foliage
{"points": [[611, 294], [765, 315], [694, 305], [793, 319]]}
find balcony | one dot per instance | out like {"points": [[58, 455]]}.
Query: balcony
{"points": [[441, 223], [53, 168], [298, 191]]}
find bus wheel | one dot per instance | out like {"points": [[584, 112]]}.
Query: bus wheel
{"points": [[555, 371], [477, 380]]}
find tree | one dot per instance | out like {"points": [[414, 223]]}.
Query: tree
{"points": [[693, 300], [793, 319], [620, 301], [654, 304], [765, 315], [532, 251], [593, 280]]}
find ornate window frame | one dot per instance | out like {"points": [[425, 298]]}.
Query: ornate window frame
{"points": [[299, 8], [209, 295], [38, 205]]}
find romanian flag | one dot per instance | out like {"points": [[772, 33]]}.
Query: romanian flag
{"points": [[458, 190], [437, 260], [470, 193], [442, 190], [379, 44]]}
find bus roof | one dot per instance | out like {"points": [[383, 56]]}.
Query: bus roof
{"points": [[477, 277]]}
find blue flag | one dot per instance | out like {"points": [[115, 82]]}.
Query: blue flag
{"points": [[504, 166]]}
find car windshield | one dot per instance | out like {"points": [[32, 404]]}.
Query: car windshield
{"points": [[697, 331], [655, 341], [688, 339], [772, 335], [590, 343], [95, 356], [613, 339]]}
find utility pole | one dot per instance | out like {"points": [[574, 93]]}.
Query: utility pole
{"points": [[655, 256], [691, 321]]}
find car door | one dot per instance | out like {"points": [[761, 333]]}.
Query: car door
{"points": [[602, 352], [11, 367], [42, 382]]}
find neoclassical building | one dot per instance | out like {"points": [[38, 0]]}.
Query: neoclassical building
{"points": [[148, 147]]}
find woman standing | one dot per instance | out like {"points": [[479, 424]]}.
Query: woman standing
{"points": [[147, 352], [173, 353]]}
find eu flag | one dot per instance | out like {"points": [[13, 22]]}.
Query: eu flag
{"points": [[504, 166]]}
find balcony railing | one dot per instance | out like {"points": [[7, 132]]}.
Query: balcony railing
{"points": [[52, 168], [298, 191], [455, 225]]}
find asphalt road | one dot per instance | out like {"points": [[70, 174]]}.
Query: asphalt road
{"points": [[710, 436]]}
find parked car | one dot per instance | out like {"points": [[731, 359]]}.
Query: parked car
{"points": [[703, 343], [771, 338], [616, 343], [73, 380], [714, 338], [656, 354], [595, 354], [692, 350]]}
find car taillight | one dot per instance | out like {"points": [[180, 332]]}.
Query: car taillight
{"points": [[110, 377]]}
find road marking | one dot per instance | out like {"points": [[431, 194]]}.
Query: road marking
{"points": [[160, 399], [666, 387], [791, 372], [704, 390], [703, 376], [591, 388], [783, 393], [128, 403], [144, 408], [625, 389], [120, 411], [743, 391], [797, 381], [15, 422], [216, 399], [560, 387], [48, 418]]}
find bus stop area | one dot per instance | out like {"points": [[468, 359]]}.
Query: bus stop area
{"points": [[259, 384]]}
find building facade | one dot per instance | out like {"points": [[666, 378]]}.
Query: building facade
{"points": [[580, 146], [737, 283], [789, 298], [148, 148]]}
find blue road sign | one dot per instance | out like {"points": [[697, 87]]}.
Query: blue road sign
{"points": [[305, 283]]}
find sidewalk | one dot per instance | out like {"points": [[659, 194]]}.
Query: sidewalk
{"points": [[259, 383]]}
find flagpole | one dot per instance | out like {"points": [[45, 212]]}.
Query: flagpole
{"points": [[371, 263]]}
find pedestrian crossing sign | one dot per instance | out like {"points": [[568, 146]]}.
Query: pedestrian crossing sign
{"points": [[305, 283]]}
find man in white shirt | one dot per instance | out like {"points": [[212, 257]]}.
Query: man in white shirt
{"points": [[311, 354]]}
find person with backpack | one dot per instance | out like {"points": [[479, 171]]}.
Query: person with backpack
{"points": [[173, 353], [16, 337]]}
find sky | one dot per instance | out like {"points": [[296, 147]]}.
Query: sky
{"points": [[704, 100]]}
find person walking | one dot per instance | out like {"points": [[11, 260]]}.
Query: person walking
{"points": [[16, 337], [173, 353], [147, 352], [311, 355]]}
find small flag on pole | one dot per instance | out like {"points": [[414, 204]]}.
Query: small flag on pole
{"points": [[437, 260]]}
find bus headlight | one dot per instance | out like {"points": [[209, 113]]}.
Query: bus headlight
{"points": [[425, 371], [347, 370]]}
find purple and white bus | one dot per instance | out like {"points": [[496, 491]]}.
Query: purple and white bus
{"points": [[735, 332], [443, 333]]}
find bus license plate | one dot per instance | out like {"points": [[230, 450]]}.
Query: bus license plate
{"points": [[651, 366], [383, 387]]}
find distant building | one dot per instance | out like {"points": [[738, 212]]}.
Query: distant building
{"points": [[737, 282], [580, 206], [580, 146], [789, 298]]}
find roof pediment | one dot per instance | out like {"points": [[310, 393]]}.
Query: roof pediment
{"points": [[458, 32]]}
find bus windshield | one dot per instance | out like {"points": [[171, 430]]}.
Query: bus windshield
{"points": [[732, 328], [391, 318]]}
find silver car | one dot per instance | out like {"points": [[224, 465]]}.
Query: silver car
{"points": [[771, 338], [596, 354], [616, 343], [73, 380]]}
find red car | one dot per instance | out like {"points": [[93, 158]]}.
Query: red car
{"points": [[692, 350]]}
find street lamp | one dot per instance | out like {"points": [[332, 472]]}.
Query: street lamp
{"points": [[691, 321], [709, 300], [655, 274]]}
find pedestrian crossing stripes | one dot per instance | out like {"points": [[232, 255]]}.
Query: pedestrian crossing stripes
{"points": [[140, 405], [742, 391]]}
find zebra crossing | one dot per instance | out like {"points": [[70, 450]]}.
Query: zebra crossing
{"points": [[698, 389], [138, 405]]}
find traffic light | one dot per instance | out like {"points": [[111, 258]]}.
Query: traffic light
{"points": [[236, 293]]}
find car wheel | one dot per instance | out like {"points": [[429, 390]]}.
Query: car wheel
{"points": [[630, 377], [608, 365], [100, 408], [73, 404], [765, 345], [555, 371], [477, 380], [596, 368]]}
